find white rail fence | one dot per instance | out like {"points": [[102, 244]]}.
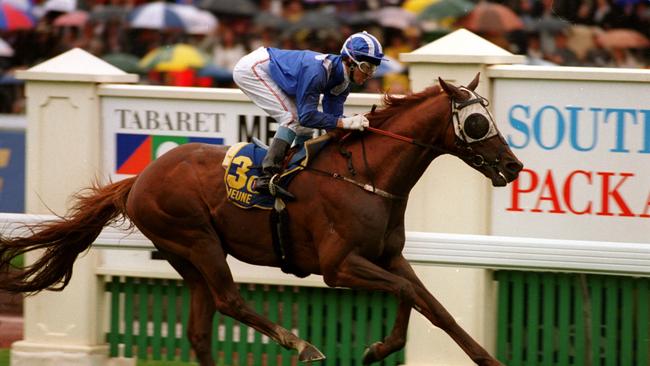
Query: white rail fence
{"points": [[481, 251]]}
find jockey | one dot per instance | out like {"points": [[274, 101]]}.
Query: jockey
{"points": [[288, 84]]}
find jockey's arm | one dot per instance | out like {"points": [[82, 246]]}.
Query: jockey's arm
{"points": [[307, 100]]}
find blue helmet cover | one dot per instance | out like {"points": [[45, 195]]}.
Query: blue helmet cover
{"points": [[363, 46]]}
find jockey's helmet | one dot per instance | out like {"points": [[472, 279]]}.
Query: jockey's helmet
{"points": [[361, 47]]}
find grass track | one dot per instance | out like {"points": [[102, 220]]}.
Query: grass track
{"points": [[4, 361], [4, 357]]}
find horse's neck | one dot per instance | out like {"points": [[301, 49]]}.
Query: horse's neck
{"points": [[397, 165]]}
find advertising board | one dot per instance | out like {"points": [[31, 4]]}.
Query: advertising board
{"points": [[586, 150], [138, 130], [12, 171]]}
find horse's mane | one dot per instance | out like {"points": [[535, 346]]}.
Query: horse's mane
{"points": [[393, 104]]}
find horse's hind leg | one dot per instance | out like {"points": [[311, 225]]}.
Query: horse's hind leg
{"points": [[207, 255], [211, 261], [202, 309]]}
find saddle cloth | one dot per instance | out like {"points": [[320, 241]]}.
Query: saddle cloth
{"points": [[243, 164]]}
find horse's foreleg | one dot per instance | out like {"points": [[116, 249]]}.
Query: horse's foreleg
{"points": [[395, 340], [359, 273], [427, 305]]}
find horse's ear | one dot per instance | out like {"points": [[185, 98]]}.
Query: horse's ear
{"points": [[450, 89], [472, 86]]}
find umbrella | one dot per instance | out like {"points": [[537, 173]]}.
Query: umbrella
{"points": [[269, 20], [76, 18], [12, 18], [220, 74], [24, 5], [176, 57], [124, 61], [107, 13], [355, 18], [417, 6], [196, 21], [315, 20], [622, 38], [157, 15], [442, 9], [62, 6], [231, 7], [5, 49], [548, 24], [491, 18], [203, 23], [393, 17]]}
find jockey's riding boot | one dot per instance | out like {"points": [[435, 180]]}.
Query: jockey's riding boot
{"points": [[272, 165]]}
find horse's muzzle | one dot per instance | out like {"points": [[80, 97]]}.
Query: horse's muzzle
{"points": [[511, 170]]}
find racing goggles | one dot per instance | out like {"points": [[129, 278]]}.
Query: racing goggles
{"points": [[365, 67]]}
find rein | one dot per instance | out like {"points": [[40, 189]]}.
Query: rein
{"points": [[408, 139], [468, 154]]}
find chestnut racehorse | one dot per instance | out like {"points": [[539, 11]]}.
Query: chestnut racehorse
{"points": [[351, 236]]}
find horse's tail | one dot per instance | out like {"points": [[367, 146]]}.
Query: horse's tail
{"points": [[63, 240]]}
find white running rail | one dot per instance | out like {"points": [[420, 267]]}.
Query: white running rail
{"points": [[482, 251]]}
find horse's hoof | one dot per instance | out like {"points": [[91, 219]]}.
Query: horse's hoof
{"points": [[370, 354], [310, 353]]}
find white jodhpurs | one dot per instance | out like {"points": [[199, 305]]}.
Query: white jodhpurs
{"points": [[252, 76]]}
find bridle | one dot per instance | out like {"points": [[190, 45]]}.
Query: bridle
{"points": [[464, 144]]}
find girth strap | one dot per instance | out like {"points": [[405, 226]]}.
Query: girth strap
{"points": [[368, 187], [281, 238]]}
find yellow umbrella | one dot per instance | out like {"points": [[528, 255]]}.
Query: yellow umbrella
{"points": [[417, 6], [176, 57]]}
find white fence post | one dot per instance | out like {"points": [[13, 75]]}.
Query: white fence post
{"points": [[63, 156], [453, 198]]}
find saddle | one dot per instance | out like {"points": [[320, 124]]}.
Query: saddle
{"points": [[243, 165]]}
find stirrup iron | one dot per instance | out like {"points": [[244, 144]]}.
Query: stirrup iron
{"points": [[277, 191]]}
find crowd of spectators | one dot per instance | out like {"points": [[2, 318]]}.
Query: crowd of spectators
{"points": [[575, 43], [578, 43]]}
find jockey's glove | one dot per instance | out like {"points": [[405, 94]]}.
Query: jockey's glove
{"points": [[356, 122]]}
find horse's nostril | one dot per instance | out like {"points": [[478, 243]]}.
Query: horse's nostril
{"points": [[514, 166]]}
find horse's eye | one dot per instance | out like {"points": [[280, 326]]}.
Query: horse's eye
{"points": [[476, 126]]}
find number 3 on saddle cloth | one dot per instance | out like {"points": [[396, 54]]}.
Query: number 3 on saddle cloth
{"points": [[243, 165]]}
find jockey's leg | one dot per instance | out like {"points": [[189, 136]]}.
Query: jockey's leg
{"points": [[253, 77], [272, 163], [303, 134]]}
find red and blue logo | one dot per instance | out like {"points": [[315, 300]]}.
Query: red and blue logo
{"points": [[135, 152]]}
